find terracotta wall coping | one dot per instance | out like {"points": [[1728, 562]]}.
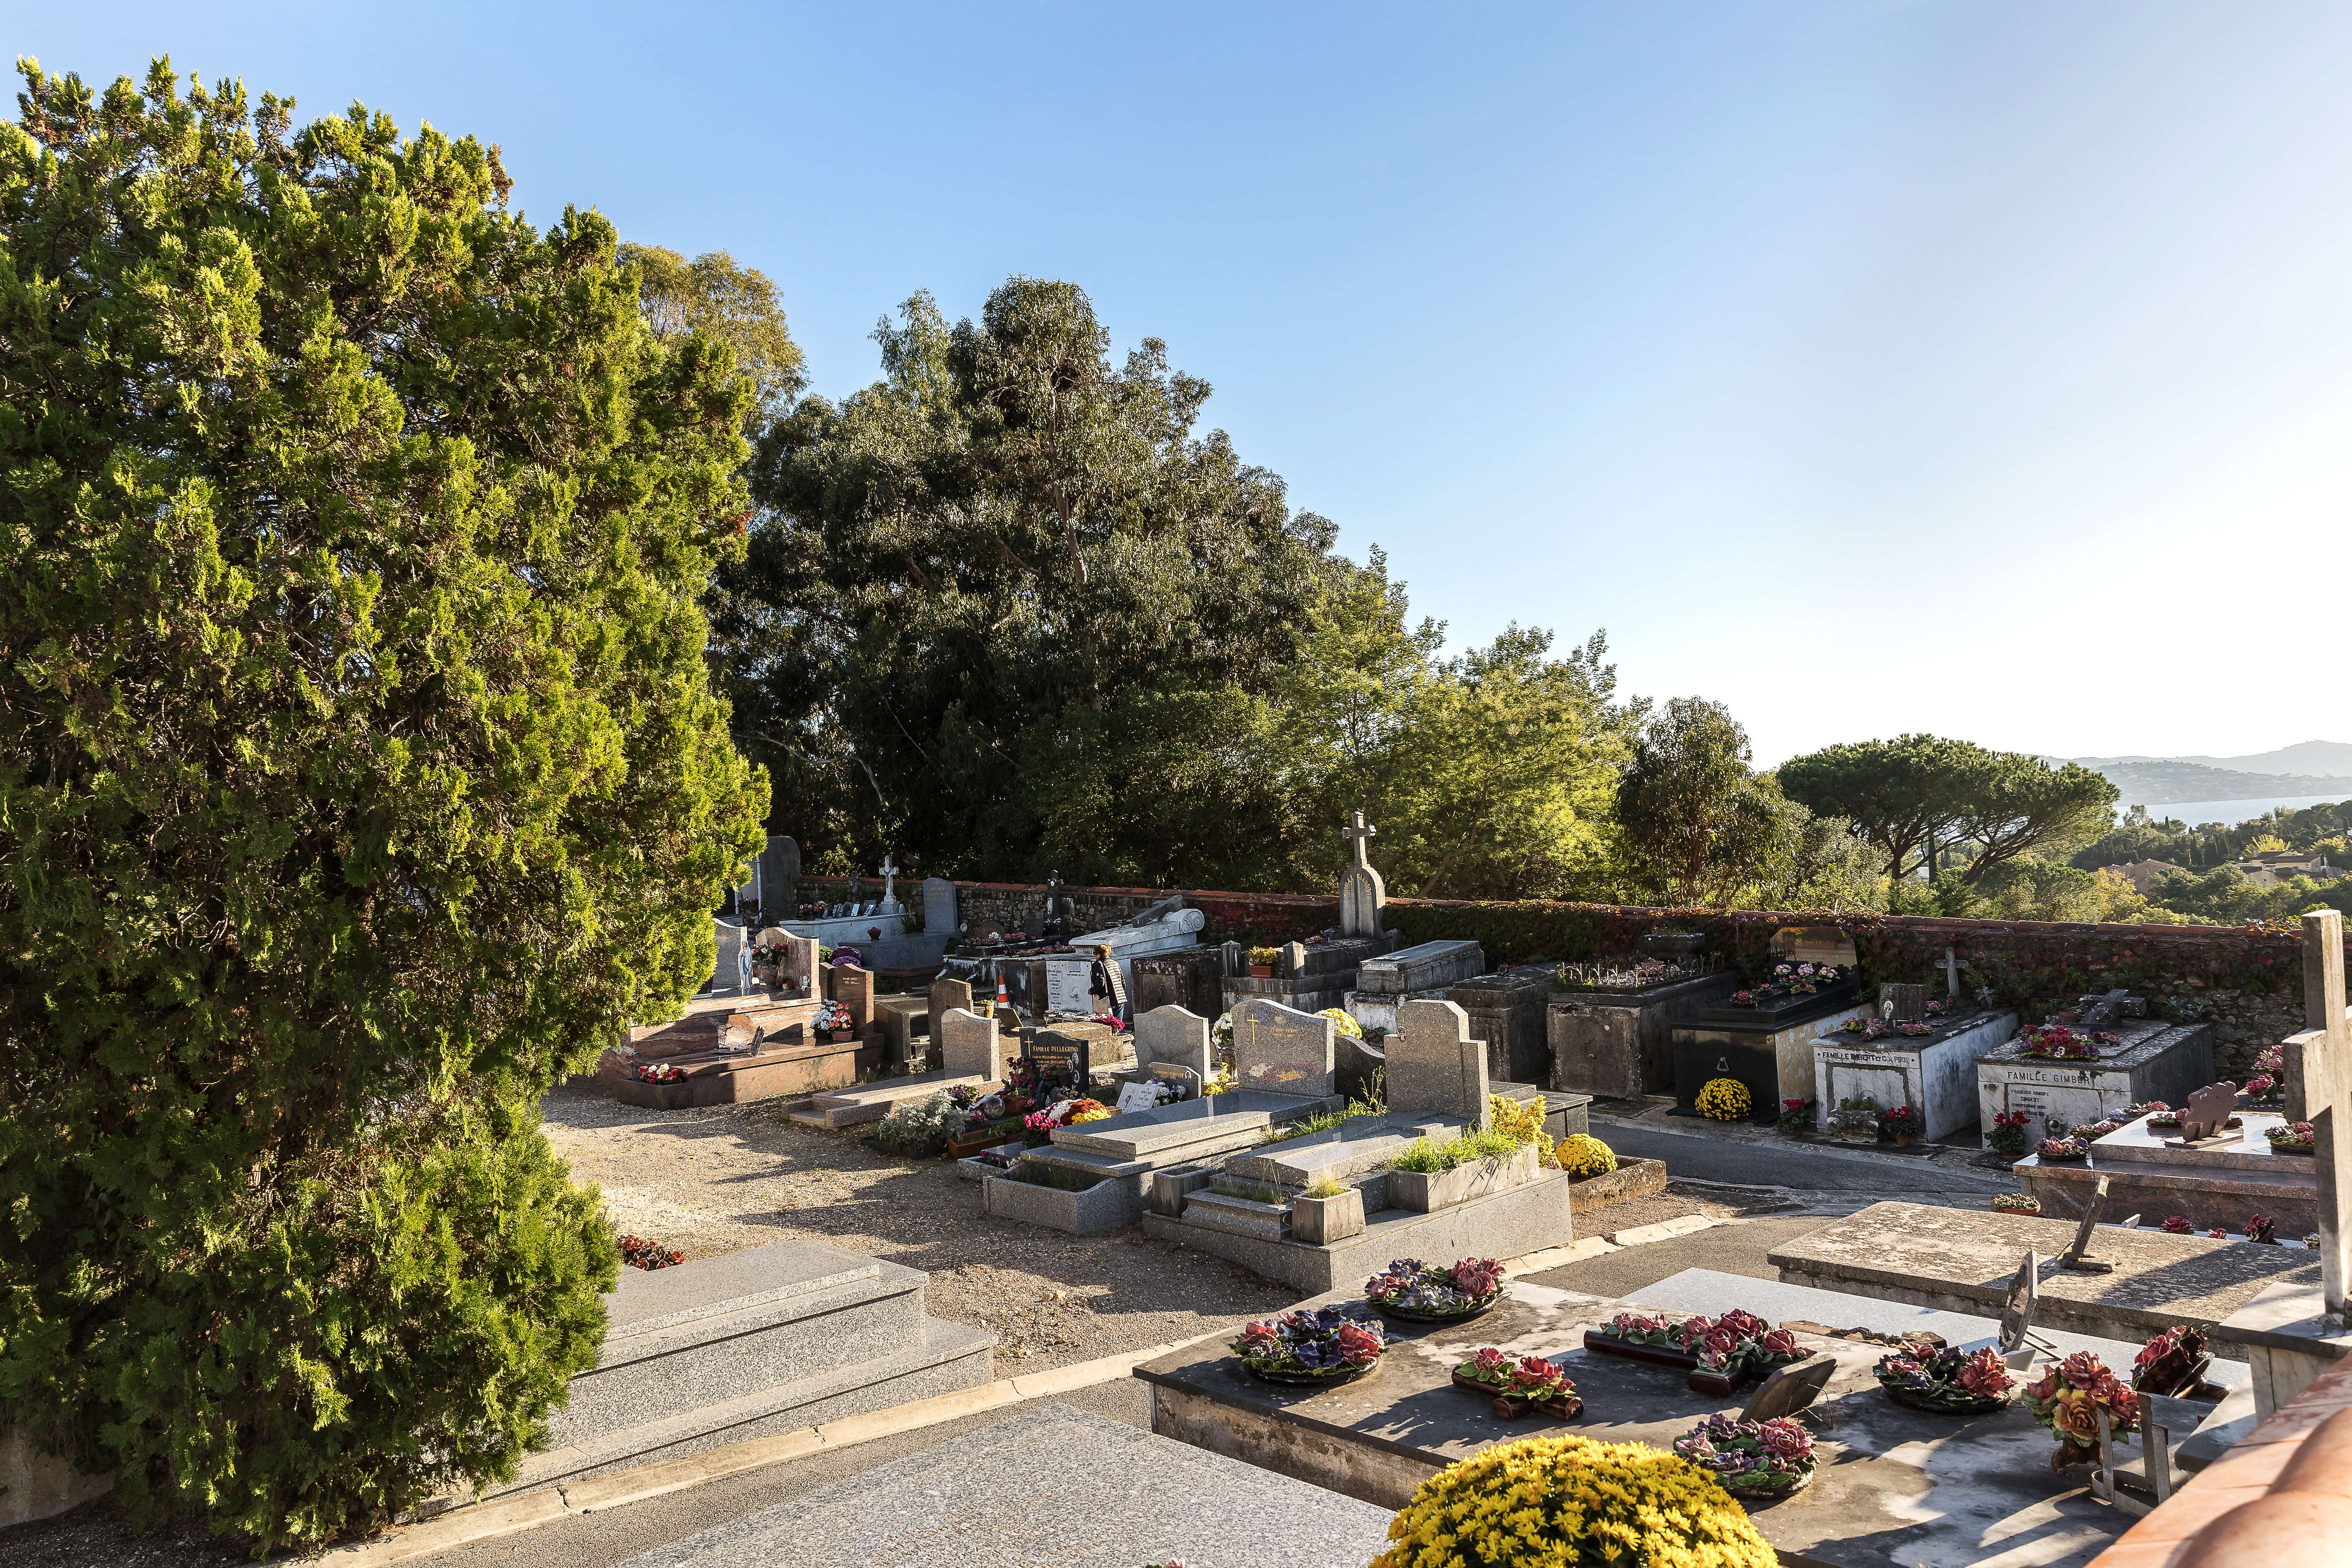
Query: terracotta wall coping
{"points": [[2280, 1498], [1923, 924]]}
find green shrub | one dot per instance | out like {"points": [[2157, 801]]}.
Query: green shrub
{"points": [[358, 775]]}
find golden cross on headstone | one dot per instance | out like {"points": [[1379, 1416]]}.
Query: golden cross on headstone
{"points": [[2319, 1090], [1359, 830]]}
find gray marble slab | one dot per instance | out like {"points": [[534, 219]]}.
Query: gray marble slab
{"points": [[1145, 1498], [1349, 1149]]}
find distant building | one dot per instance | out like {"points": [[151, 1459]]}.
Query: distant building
{"points": [[2272, 867], [2140, 873]]}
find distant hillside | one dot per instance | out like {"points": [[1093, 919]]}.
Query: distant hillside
{"points": [[2163, 781]]}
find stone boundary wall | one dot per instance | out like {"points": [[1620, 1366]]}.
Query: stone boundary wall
{"points": [[2247, 981]]}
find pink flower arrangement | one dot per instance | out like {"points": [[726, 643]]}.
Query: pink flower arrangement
{"points": [[2178, 1225]]}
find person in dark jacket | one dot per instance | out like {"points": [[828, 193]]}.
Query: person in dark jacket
{"points": [[1105, 989]]}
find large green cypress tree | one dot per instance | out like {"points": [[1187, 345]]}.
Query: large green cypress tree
{"points": [[359, 775]]}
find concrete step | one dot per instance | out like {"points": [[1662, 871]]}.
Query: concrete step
{"points": [[872, 1102], [677, 1367], [950, 1357]]}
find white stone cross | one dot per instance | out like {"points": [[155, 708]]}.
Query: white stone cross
{"points": [[889, 880], [1951, 973], [2319, 1090], [1359, 830]]}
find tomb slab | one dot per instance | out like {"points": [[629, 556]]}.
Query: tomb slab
{"points": [[1935, 1074], [2154, 1061]]}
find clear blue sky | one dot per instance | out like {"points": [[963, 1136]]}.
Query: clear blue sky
{"points": [[1978, 368]]}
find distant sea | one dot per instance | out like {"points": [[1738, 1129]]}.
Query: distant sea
{"points": [[2231, 812]]}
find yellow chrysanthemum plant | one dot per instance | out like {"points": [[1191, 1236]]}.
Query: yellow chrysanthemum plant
{"points": [[1573, 1502], [1520, 1121], [1343, 1021], [1724, 1100], [1582, 1154]]}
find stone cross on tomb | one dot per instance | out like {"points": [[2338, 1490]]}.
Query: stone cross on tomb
{"points": [[1951, 973], [2319, 1090], [2104, 1012], [1362, 894]]}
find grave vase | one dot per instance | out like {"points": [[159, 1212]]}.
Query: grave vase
{"points": [[1320, 1222]]}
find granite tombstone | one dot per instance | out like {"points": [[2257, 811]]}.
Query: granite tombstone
{"points": [[1280, 1050]]}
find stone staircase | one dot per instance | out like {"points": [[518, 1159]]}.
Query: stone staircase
{"points": [[750, 1344]]}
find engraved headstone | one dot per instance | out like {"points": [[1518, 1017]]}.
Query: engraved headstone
{"points": [[853, 987], [1065, 1062], [1281, 1050], [969, 1044], [1790, 1388], [1434, 1066], [1181, 1079], [938, 906], [1362, 894], [1175, 1036]]}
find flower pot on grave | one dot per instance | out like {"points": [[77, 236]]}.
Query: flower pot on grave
{"points": [[841, 1037], [1426, 1192], [1261, 971], [1902, 1139], [1320, 1222]]}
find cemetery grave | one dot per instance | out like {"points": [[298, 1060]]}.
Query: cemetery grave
{"points": [[2111, 1057], [1505, 1009], [1871, 1479], [1763, 1037], [1608, 1024], [2217, 1183], [1910, 1052]]}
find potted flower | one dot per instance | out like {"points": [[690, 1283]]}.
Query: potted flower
{"points": [[1724, 1099], [2179, 1225], [2016, 1202], [1320, 1346], [1901, 1125], [2067, 1398], [2008, 1137], [1796, 1118], [1516, 1387], [1751, 1458], [1946, 1380], [2174, 1363], [2058, 1150], [835, 1023], [1415, 1292], [2056, 1042], [2292, 1138], [2263, 1092], [639, 1253], [660, 1072], [1261, 961]]}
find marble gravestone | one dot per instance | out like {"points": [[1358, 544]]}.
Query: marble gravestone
{"points": [[1362, 894], [939, 917], [1434, 1066], [969, 1046], [1174, 1037], [947, 994], [1280, 1050]]}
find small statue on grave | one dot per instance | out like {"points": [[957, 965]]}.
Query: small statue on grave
{"points": [[2208, 1113]]}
